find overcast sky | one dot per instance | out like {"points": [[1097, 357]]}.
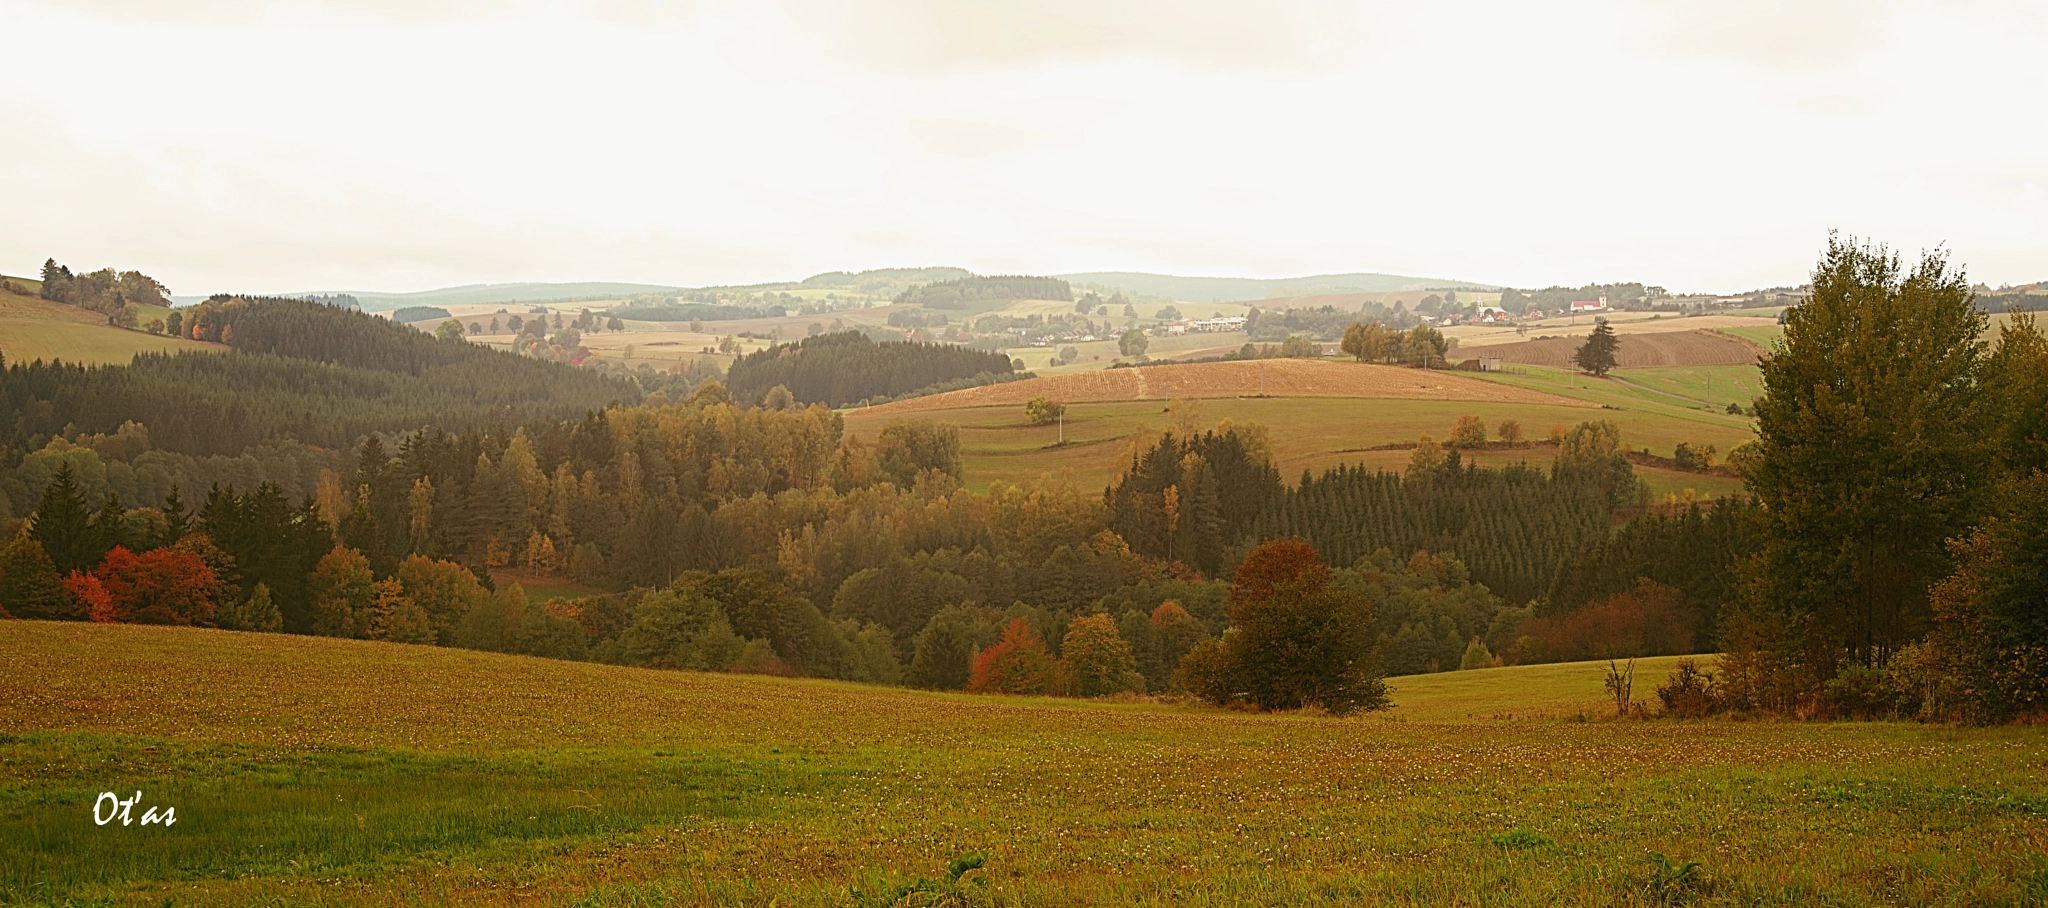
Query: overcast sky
{"points": [[237, 145]]}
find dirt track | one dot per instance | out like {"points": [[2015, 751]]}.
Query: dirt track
{"points": [[1637, 351], [1277, 378]]}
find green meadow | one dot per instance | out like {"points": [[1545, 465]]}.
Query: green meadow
{"points": [[334, 772]]}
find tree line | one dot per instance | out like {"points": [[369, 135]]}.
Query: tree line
{"points": [[957, 293], [848, 367]]}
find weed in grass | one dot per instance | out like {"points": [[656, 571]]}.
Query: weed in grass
{"points": [[1517, 839], [1675, 883], [953, 891]]}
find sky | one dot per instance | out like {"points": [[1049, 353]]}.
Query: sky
{"points": [[1700, 145]]}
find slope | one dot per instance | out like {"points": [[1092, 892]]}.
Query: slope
{"points": [[1236, 289], [346, 772], [33, 328]]}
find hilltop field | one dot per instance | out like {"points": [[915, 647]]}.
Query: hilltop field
{"points": [[33, 328], [308, 770], [1319, 413]]}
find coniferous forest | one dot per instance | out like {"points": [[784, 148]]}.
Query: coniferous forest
{"points": [[848, 367]]}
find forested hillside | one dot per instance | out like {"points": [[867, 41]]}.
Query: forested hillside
{"points": [[302, 371], [845, 368], [955, 294]]}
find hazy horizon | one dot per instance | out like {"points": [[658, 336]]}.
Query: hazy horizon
{"points": [[235, 145]]}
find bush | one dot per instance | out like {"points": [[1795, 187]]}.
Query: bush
{"points": [[1469, 432], [1042, 412], [1689, 692], [1650, 620]]}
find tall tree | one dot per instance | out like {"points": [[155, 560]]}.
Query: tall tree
{"points": [[63, 526], [1871, 452], [1297, 639], [1596, 355]]}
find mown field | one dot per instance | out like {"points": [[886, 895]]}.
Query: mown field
{"points": [[1638, 351], [32, 328], [317, 771], [1314, 433]]}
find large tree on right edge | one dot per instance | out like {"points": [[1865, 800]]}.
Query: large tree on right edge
{"points": [[1872, 452]]}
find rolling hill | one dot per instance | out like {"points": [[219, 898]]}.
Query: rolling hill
{"points": [[1237, 289], [33, 328], [1251, 378], [1317, 414], [312, 770]]}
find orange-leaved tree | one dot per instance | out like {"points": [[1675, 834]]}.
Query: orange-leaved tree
{"points": [[1017, 664]]}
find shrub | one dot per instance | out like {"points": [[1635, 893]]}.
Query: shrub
{"points": [[1649, 620], [1689, 692], [1469, 432], [1042, 412]]}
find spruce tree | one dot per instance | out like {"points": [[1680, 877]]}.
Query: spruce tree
{"points": [[63, 525], [1596, 355]]}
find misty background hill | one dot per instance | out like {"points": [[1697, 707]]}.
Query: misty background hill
{"points": [[888, 281]]}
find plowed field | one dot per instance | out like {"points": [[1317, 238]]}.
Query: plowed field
{"points": [[1272, 378], [1637, 351]]}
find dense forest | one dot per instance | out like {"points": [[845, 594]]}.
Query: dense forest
{"points": [[955, 294], [300, 371], [846, 368]]}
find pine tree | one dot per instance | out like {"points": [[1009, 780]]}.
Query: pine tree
{"points": [[1596, 355], [63, 526], [30, 586], [176, 520]]}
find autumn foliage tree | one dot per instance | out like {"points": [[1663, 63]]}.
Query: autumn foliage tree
{"points": [[160, 586], [1017, 664], [1296, 639], [1098, 659]]}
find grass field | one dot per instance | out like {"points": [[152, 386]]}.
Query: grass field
{"points": [[32, 328], [1671, 348], [1252, 378], [313, 771], [1314, 433]]}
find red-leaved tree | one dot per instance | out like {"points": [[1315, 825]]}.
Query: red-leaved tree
{"points": [[1648, 620], [1017, 664], [160, 586]]}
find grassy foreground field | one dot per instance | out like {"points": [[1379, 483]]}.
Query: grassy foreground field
{"points": [[314, 771]]}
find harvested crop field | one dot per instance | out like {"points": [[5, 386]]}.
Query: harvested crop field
{"points": [[1637, 351], [1270, 378]]}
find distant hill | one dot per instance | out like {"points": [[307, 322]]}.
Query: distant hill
{"points": [[473, 294], [1240, 289]]}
